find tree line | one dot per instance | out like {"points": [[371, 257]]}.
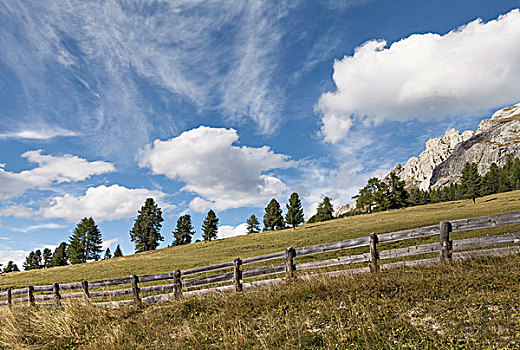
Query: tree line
{"points": [[377, 195], [380, 195], [86, 240]]}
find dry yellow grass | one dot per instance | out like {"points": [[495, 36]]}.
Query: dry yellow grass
{"points": [[470, 305]]}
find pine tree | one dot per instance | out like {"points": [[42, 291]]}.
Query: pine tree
{"points": [[324, 211], [471, 182], [59, 257], [396, 195], [372, 196], [273, 219], [184, 231], [118, 252], [146, 232], [108, 254], [28, 263], [491, 181], [253, 225], [210, 226], [294, 215], [85, 242], [47, 257], [11, 267], [33, 261], [94, 241]]}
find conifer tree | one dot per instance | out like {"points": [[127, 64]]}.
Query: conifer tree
{"points": [[33, 261], [85, 242], [273, 219], [253, 225], [396, 195], [210, 226], [491, 181], [118, 252], [294, 215], [325, 210], [28, 263], [108, 254], [47, 257], [184, 231], [59, 257], [146, 232], [471, 181], [11, 267]]}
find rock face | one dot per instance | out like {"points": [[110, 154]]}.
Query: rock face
{"points": [[344, 209], [442, 161]]}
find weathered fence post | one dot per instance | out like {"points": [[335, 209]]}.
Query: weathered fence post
{"points": [[57, 295], [237, 274], [374, 256], [84, 285], [177, 284], [135, 289], [445, 229], [30, 295], [290, 253], [9, 297]]}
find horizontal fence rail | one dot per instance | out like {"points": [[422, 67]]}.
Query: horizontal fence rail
{"points": [[189, 282]]}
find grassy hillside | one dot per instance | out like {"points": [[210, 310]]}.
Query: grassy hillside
{"points": [[473, 305], [200, 254]]}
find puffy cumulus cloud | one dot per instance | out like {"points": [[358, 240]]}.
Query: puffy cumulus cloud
{"points": [[102, 203], [50, 170], [467, 71], [222, 174], [226, 231]]}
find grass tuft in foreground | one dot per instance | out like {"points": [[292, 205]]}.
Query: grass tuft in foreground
{"points": [[466, 305]]}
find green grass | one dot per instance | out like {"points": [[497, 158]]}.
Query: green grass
{"points": [[201, 254], [469, 305]]}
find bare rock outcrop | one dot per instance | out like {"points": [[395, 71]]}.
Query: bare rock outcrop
{"points": [[443, 159]]}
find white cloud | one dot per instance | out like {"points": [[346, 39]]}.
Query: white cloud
{"points": [[106, 244], [50, 170], [222, 174], [17, 256], [466, 71], [18, 211], [340, 184], [40, 133], [102, 203], [47, 226], [107, 55], [226, 231]]}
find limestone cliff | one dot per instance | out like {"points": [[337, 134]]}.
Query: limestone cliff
{"points": [[442, 161]]}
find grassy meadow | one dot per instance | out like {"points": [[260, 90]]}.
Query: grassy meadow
{"points": [[469, 305], [201, 254]]}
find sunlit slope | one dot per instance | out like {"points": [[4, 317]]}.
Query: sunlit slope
{"points": [[201, 254]]}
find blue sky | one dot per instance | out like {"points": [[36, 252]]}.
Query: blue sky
{"points": [[227, 104]]}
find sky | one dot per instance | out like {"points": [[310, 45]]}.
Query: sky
{"points": [[224, 105]]}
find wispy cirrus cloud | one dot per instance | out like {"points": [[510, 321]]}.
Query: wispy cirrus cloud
{"points": [[115, 64], [41, 132]]}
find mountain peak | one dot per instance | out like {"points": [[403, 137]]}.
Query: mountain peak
{"points": [[442, 160]]}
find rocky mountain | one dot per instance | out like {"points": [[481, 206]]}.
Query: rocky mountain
{"points": [[443, 159]]}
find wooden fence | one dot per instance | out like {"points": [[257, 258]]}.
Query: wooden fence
{"points": [[189, 282]]}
